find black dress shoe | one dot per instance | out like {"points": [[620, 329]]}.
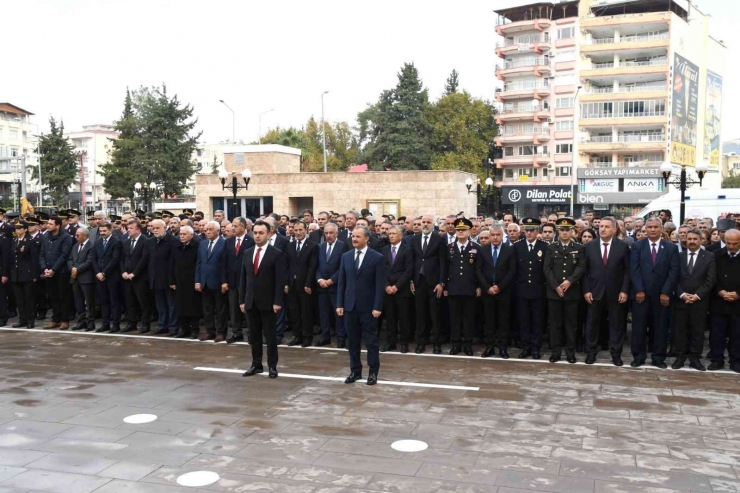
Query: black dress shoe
{"points": [[234, 339], [31, 325], [372, 379], [697, 365], [342, 345], [103, 328], [144, 330], [437, 349], [488, 352], [504, 353], [91, 328], [554, 358], [735, 368], [19, 325], [571, 358], [716, 366], [115, 330], [182, 335], [353, 377], [129, 328], [252, 371], [678, 364], [273, 373], [468, 350], [637, 363], [671, 353], [420, 348], [660, 364], [617, 361], [525, 353], [536, 354], [306, 343], [455, 349], [403, 348], [163, 330], [388, 347], [295, 342], [323, 342], [194, 335], [79, 327], [590, 359]]}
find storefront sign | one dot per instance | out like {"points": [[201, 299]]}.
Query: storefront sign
{"points": [[617, 172], [617, 198], [600, 185], [535, 195], [643, 185]]}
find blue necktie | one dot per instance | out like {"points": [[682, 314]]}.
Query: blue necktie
{"points": [[357, 260], [495, 261]]}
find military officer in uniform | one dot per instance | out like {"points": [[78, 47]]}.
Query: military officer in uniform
{"points": [[73, 218], [24, 275], [461, 287], [563, 270], [530, 287]]}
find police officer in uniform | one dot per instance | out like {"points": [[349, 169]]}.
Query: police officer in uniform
{"points": [[73, 217], [24, 275], [563, 270], [530, 287], [42, 304], [461, 287]]}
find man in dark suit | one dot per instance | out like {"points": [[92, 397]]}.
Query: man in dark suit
{"points": [[723, 225], [399, 270], [725, 305], [261, 288], [317, 236], [231, 265], [280, 242], [327, 276], [106, 266], [461, 287], [24, 275], [360, 300], [82, 279], [563, 270], [496, 271], [374, 242], [698, 275], [606, 289], [530, 288], [209, 283], [53, 262], [161, 245], [345, 230], [654, 268], [134, 272], [428, 284], [302, 257]]}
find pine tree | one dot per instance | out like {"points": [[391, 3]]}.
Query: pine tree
{"points": [[214, 165], [452, 83], [58, 163], [124, 169]]}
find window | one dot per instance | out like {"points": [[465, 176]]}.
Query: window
{"points": [[565, 80], [563, 148], [564, 103], [380, 207], [14, 135], [562, 171], [736, 165], [624, 109], [532, 150], [564, 125], [13, 152], [566, 56], [508, 151], [566, 32], [508, 173]]}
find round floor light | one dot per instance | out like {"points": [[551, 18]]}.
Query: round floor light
{"points": [[198, 478], [138, 419], [409, 445]]}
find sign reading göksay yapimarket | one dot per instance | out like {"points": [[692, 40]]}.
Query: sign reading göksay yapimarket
{"points": [[684, 108]]}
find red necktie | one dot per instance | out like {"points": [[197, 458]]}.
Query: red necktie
{"points": [[257, 261], [238, 245], [606, 253]]}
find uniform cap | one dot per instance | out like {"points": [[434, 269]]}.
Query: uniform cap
{"points": [[565, 223], [463, 224], [530, 223]]}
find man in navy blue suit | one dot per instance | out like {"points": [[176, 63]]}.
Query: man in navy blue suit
{"points": [[654, 269], [209, 283], [360, 301], [327, 277]]}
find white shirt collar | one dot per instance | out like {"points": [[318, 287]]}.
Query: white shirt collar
{"points": [[241, 238], [84, 243], [601, 242], [657, 243], [531, 244], [462, 246], [364, 251]]}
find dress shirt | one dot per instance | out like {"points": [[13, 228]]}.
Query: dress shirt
{"points": [[362, 256], [262, 254], [461, 246], [609, 243]]}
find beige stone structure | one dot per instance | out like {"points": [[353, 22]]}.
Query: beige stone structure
{"points": [[278, 185]]}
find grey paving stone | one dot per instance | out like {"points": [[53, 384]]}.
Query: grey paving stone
{"points": [[403, 467], [132, 471], [621, 445], [518, 463], [17, 457], [635, 476], [404, 484], [462, 474], [603, 487], [81, 446], [544, 482], [703, 468], [7, 472], [56, 482], [69, 462]]}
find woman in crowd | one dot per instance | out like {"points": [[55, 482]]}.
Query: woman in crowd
{"points": [[588, 235], [715, 237]]}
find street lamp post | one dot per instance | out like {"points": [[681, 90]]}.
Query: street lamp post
{"points": [[683, 182], [233, 121], [259, 136], [234, 186], [574, 150], [137, 191], [323, 127]]}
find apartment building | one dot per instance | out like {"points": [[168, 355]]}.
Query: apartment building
{"points": [[18, 137], [95, 143], [607, 90]]}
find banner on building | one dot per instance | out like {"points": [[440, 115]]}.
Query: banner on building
{"points": [[684, 108], [713, 120]]}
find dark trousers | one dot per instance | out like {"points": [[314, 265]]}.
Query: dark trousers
{"points": [[84, 302], [42, 305], [650, 313], [496, 316], [531, 321], [137, 302], [281, 320], [462, 319], [428, 314], [60, 296], [236, 316], [721, 327], [214, 311], [397, 310], [691, 322], [359, 325], [25, 294], [262, 324], [188, 325], [108, 294], [300, 311], [166, 309], [327, 313], [563, 317], [615, 312]]}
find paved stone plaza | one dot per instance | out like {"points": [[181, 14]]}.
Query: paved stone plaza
{"points": [[530, 426]]}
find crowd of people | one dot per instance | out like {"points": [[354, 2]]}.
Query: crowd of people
{"points": [[570, 284]]}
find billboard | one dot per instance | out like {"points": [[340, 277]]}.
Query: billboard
{"points": [[685, 101], [712, 120]]}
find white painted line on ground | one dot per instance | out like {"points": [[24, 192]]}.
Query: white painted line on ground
{"points": [[134, 335], [341, 379]]}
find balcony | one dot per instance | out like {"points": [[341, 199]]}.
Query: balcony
{"points": [[635, 42], [516, 90], [626, 142], [537, 159], [632, 67], [520, 26], [524, 179], [535, 136], [631, 88], [524, 66], [525, 43], [526, 112]]}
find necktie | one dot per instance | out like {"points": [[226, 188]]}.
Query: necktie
{"points": [[238, 245], [133, 245], [357, 260], [654, 253], [530, 248], [393, 255], [495, 260], [424, 246], [298, 249], [328, 251], [691, 262], [210, 247], [257, 261], [606, 253], [105, 244], [79, 249]]}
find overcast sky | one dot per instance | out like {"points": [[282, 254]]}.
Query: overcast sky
{"points": [[73, 59]]}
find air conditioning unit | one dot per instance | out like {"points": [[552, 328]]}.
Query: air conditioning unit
{"points": [[551, 167]]}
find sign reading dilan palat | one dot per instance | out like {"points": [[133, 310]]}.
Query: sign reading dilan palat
{"points": [[618, 172]]}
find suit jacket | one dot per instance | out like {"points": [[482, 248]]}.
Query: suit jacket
{"points": [[361, 290], [611, 279], [25, 267], [136, 261], [503, 274], [329, 268], [715, 247], [231, 263], [301, 267], [108, 260], [83, 260], [530, 277], [208, 267], [281, 242], [160, 257], [433, 260], [316, 236], [92, 234], [54, 255], [263, 290], [701, 280], [728, 279], [343, 234], [654, 279], [400, 272]]}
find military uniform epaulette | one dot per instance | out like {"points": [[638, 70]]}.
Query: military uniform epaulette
{"points": [[518, 241]]}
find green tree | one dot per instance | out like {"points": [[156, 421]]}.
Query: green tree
{"points": [[58, 162], [214, 165], [732, 181], [452, 82]]}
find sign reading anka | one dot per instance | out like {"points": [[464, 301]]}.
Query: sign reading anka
{"points": [[642, 185]]}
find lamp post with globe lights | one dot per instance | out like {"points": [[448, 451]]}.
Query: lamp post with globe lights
{"points": [[683, 181], [234, 186]]}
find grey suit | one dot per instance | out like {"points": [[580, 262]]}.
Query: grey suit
{"points": [[83, 285]]}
